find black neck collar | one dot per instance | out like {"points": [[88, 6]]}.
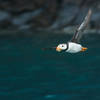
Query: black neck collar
{"points": [[67, 44]]}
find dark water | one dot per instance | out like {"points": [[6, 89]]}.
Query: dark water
{"points": [[29, 73]]}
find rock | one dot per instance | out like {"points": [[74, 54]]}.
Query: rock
{"points": [[65, 16], [95, 20], [76, 2], [47, 14], [5, 18], [4, 15], [25, 27], [45, 19], [25, 17]]}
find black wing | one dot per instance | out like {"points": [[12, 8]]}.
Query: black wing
{"points": [[81, 28]]}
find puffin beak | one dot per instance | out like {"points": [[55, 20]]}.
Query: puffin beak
{"points": [[83, 49], [58, 49]]}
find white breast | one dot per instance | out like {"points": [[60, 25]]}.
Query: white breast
{"points": [[74, 47]]}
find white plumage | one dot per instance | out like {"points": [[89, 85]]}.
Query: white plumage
{"points": [[74, 47]]}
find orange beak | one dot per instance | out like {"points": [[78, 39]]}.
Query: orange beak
{"points": [[84, 49], [58, 49]]}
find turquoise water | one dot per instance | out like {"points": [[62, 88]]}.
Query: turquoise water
{"points": [[29, 73]]}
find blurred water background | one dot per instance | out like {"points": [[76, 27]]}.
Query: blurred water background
{"points": [[29, 73]]}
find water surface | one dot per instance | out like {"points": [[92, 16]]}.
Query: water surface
{"points": [[29, 73]]}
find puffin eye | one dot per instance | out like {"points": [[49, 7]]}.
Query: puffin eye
{"points": [[62, 45]]}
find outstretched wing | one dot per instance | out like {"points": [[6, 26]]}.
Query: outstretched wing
{"points": [[81, 28]]}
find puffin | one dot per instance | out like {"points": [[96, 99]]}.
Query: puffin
{"points": [[74, 46]]}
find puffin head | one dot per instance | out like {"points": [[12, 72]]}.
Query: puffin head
{"points": [[61, 47]]}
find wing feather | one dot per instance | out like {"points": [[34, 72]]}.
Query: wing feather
{"points": [[81, 28]]}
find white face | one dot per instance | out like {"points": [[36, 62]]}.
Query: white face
{"points": [[61, 47]]}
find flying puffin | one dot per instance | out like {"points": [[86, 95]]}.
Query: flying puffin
{"points": [[74, 46]]}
